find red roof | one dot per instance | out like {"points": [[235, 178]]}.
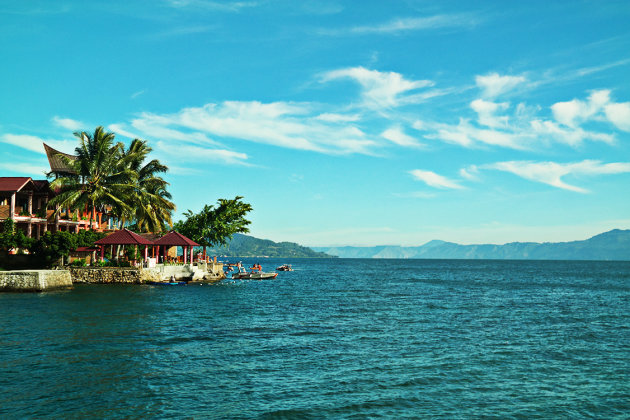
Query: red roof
{"points": [[175, 239], [123, 237], [13, 183], [85, 249]]}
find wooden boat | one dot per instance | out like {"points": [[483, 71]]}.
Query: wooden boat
{"points": [[243, 274]]}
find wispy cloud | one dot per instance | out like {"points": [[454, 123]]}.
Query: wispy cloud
{"points": [[36, 144], [67, 123], [380, 89], [283, 124], [409, 24], [33, 170], [494, 84], [180, 31], [522, 127], [195, 155], [223, 6], [551, 173], [435, 180], [397, 136], [138, 93]]}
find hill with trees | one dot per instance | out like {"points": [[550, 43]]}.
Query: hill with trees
{"points": [[247, 246]]}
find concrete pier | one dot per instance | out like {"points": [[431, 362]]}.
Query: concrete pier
{"points": [[34, 280]]}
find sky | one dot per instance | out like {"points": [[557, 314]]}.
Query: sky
{"points": [[342, 122]]}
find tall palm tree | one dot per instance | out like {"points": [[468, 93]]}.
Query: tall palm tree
{"points": [[153, 206], [99, 177]]}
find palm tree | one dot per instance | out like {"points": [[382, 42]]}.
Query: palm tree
{"points": [[153, 209], [99, 178]]}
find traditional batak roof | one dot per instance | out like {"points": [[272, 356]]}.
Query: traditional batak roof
{"points": [[56, 164], [123, 237], [175, 239]]}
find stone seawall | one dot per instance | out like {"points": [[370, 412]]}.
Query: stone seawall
{"points": [[106, 275], [34, 280]]}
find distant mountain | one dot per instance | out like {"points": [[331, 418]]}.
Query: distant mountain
{"points": [[248, 246], [613, 245]]}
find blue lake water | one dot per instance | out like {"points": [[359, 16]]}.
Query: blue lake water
{"points": [[336, 338]]}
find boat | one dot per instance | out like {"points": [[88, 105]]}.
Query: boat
{"points": [[285, 267], [243, 274], [166, 283]]}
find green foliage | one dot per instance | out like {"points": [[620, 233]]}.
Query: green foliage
{"points": [[78, 263], [52, 246], [105, 174], [248, 246], [7, 239], [88, 237], [216, 225], [132, 253]]}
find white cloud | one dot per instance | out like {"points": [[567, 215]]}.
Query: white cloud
{"points": [[417, 24], [334, 118], [67, 123], [486, 112], [619, 115], [434, 180], [289, 125], [32, 170], [494, 84], [195, 155], [551, 173], [571, 136], [136, 94], [466, 135], [380, 89], [470, 173], [209, 5], [36, 144], [121, 130], [574, 112], [397, 136]]}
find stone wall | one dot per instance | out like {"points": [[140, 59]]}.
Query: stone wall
{"points": [[106, 275], [34, 280]]}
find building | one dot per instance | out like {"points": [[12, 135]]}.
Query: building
{"points": [[25, 200]]}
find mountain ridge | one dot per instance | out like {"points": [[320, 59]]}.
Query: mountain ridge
{"points": [[613, 245], [248, 246]]}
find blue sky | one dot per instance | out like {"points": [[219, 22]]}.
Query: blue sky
{"points": [[342, 122]]}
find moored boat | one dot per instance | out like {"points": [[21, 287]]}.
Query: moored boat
{"points": [[243, 274], [285, 267]]}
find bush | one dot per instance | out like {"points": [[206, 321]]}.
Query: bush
{"points": [[52, 246], [78, 263]]}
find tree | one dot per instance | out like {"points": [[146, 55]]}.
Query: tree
{"points": [[104, 173], [153, 208], [98, 177], [216, 225], [53, 246], [7, 236]]}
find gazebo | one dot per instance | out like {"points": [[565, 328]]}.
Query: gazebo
{"points": [[124, 237], [177, 239]]}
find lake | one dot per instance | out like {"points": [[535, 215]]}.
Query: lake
{"points": [[336, 338]]}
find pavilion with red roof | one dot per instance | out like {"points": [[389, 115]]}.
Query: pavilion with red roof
{"points": [[124, 237], [177, 239]]}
